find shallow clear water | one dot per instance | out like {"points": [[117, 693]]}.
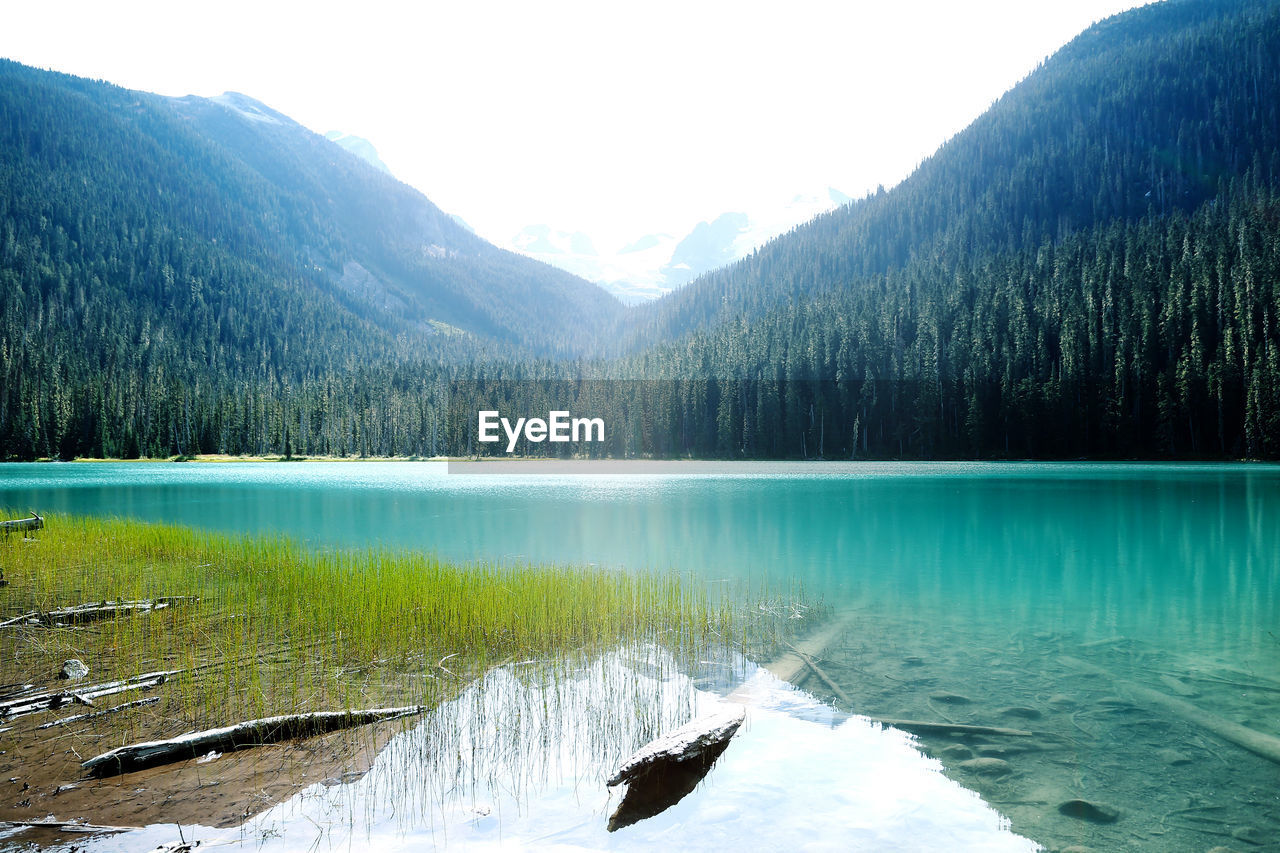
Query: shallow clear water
{"points": [[519, 761], [976, 587]]}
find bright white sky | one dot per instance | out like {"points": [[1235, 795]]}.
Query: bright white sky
{"points": [[614, 118]]}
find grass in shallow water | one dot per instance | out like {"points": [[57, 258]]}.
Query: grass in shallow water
{"points": [[280, 628]]}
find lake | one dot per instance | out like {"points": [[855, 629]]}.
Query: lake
{"points": [[1019, 595]]}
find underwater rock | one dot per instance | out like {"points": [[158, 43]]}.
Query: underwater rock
{"points": [[73, 670], [956, 752], [1092, 812], [949, 698], [1021, 712], [987, 766], [1178, 686], [1250, 835], [913, 661], [1172, 757]]}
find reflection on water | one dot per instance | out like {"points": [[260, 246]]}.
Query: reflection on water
{"points": [[1187, 556], [520, 760], [970, 580]]}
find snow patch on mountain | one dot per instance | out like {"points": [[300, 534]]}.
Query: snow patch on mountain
{"points": [[360, 147], [654, 264], [247, 107]]}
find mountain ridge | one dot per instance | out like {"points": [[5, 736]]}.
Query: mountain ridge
{"points": [[1007, 169], [1090, 269]]}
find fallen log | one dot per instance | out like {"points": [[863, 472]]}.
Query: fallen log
{"points": [[79, 718], [1259, 743], [790, 665], [687, 742], [35, 522], [81, 614], [930, 728], [140, 756], [816, 670], [66, 826], [799, 661], [663, 771], [84, 695], [20, 620]]}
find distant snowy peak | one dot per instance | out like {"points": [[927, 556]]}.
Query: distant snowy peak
{"points": [[645, 243], [708, 246], [250, 109], [655, 264], [360, 147], [544, 240]]}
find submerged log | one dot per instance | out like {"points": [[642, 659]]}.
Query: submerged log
{"points": [[800, 660], [789, 666], [662, 772], [140, 756], [35, 522], [930, 728], [1259, 743], [66, 826], [826, 679], [83, 694], [80, 718], [95, 612]]}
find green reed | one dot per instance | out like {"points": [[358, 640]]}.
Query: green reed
{"points": [[281, 628]]}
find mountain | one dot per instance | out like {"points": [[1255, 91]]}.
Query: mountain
{"points": [[655, 264], [360, 147], [1090, 269], [1077, 143], [391, 247], [630, 274], [708, 246], [164, 262]]}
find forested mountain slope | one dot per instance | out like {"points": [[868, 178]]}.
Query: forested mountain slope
{"points": [[160, 257], [383, 241], [1152, 111], [1091, 269]]}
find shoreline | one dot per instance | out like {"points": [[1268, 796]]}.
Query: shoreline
{"points": [[380, 629], [497, 461]]}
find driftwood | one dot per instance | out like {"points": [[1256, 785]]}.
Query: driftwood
{"points": [[252, 733], [35, 522], [662, 772], [685, 743], [816, 670], [801, 662], [79, 718], [94, 612], [925, 727], [791, 665], [83, 695], [67, 826], [1259, 743]]}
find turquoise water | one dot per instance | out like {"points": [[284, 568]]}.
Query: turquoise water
{"points": [[1186, 555], [978, 581]]}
